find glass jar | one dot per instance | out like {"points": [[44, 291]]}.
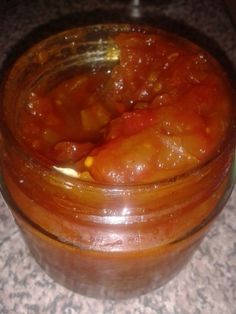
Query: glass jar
{"points": [[101, 240]]}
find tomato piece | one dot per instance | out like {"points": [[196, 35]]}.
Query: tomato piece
{"points": [[170, 120], [143, 157], [135, 78]]}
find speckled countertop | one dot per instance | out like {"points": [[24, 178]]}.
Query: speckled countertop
{"points": [[208, 284]]}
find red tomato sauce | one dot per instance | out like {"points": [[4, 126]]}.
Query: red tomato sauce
{"points": [[164, 109]]}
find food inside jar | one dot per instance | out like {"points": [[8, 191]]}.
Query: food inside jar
{"points": [[163, 110]]}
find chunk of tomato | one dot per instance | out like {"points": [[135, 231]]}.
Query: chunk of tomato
{"points": [[143, 157]]}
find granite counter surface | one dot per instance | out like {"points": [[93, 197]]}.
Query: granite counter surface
{"points": [[208, 284]]}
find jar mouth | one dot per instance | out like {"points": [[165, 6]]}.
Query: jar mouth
{"points": [[80, 33]]}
